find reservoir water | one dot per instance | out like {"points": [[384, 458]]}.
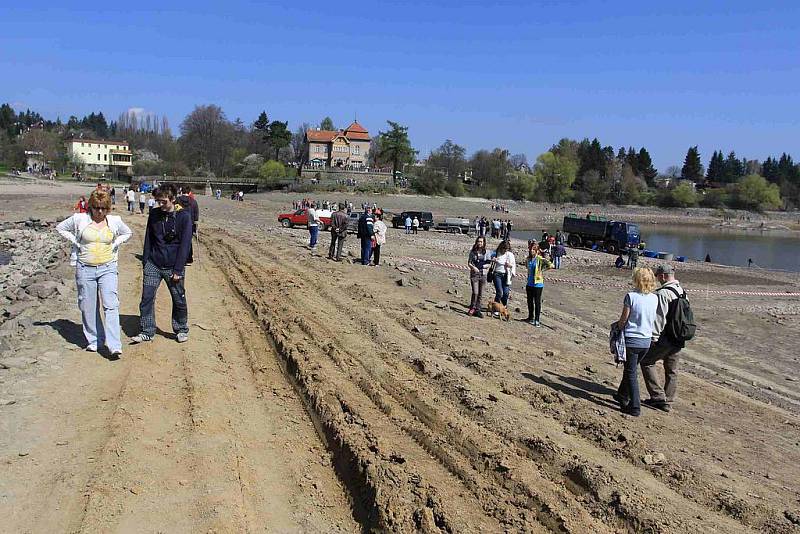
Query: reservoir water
{"points": [[768, 249]]}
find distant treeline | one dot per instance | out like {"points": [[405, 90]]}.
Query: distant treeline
{"points": [[584, 171]]}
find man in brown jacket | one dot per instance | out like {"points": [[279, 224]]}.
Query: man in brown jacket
{"points": [[338, 233]]}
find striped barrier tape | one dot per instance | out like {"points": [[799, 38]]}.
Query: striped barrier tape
{"points": [[462, 267]]}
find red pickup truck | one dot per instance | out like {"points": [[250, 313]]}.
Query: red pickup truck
{"points": [[300, 218]]}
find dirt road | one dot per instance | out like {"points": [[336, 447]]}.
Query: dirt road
{"points": [[321, 396]]}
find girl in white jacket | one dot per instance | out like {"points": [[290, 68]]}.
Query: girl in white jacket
{"points": [[96, 237], [504, 265]]}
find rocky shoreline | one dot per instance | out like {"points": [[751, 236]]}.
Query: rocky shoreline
{"points": [[35, 273]]}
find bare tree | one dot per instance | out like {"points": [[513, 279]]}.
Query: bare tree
{"points": [[299, 144], [207, 137]]}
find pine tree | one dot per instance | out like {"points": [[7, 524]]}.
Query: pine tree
{"points": [[715, 167], [644, 164], [692, 166], [733, 169]]}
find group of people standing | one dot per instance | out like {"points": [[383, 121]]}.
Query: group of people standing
{"points": [[96, 236], [497, 228], [499, 267], [371, 232]]}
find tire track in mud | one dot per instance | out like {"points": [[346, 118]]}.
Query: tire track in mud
{"points": [[394, 480], [448, 438], [202, 443]]}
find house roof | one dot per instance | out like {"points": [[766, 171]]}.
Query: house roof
{"points": [[323, 136], [99, 141], [354, 132], [356, 127]]}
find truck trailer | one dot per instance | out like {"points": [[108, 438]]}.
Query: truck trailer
{"points": [[611, 236]]}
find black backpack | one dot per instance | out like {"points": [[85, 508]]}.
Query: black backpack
{"points": [[680, 326]]}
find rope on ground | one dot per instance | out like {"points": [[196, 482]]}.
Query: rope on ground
{"points": [[604, 284]]}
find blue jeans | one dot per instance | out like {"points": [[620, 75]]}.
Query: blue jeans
{"points": [[557, 262], [629, 387], [314, 232], [147, 314], [366, 250], [501, 288], [92, 280]]}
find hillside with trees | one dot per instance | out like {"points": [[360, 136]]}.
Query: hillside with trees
{"points": [[267, 149]]}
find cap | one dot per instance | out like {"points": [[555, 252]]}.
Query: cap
{"points": [[664, 268]]}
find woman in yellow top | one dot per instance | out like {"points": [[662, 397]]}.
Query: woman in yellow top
{"points": [[537, 264], [96, 237]]}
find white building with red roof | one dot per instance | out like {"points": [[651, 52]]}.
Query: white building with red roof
{"points": [[346, 149]]}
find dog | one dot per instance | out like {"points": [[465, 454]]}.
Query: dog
{"points": [[499, 308]]}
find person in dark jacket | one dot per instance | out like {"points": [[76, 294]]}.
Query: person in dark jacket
{"points": [[188, 202], [167, 241], [365, 233], [338, 233]]}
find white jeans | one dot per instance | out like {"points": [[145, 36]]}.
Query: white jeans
{"points": [[92, 280]]}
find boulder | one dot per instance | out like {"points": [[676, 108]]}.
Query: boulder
{"points": [[43, 289]]}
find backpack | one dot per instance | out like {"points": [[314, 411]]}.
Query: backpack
{"points": [[680, 326]]}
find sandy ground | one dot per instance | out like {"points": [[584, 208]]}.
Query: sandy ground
{"points": [[318, 396]]}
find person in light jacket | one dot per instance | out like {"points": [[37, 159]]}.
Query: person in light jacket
{"points": [[636, 322], [379, 227], [96, 237], [505, 268]]}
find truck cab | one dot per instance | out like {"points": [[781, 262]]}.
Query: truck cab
{"points": [[625, 235]]}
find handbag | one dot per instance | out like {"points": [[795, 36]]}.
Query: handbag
{"points": [[490, 273]]}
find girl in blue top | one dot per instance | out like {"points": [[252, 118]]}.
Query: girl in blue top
{"points": [[536, 266], [636, 322]]}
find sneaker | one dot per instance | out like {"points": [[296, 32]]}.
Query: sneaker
{"points": [[496, 314], [471, 311], [183, 337], [91, 348], [530, 321], [656, 404], [141, 338], [627, 410], [478, 314], [115, 354], [537, 324]]}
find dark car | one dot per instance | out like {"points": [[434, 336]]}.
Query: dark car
{"points": [[425, 219]]}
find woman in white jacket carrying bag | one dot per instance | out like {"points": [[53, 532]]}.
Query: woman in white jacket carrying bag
{"points": [[96, 237]]}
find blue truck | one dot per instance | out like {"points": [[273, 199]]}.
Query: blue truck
{"points": [[611, 236]]}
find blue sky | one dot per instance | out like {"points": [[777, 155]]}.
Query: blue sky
{"points": [[519, 75]]}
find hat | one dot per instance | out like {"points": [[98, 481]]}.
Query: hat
{"points": [[664, 268]]}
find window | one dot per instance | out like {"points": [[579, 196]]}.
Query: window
{"points": [[105, 157], [98, 157], [356, 149]]}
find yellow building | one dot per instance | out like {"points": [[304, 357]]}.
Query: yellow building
{"points": [[101, 155]]}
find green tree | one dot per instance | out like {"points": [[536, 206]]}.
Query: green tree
{"points": [[522, 185], [683, 195], [555, 174], [327, 124], [272, 171], [645, 167], [753, 192], [262, 123], [430, 181], [716, 168], [490, 171], [278, 136], [449, 157], [395, 147], [692, 166], [733, 168]]}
